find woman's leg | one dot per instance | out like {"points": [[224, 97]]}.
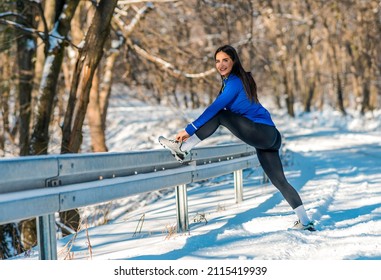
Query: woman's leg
{"points": [[254, 134], [272, 165]]}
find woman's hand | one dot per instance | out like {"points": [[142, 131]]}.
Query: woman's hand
{"points": [[182, 136]]}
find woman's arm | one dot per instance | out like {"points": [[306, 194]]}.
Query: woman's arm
{"points": [[228, 95]]}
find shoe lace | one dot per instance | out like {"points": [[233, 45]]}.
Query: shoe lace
{"points": [[173, 141]]}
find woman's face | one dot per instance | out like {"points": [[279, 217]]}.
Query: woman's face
{"points": [[224, 64]]}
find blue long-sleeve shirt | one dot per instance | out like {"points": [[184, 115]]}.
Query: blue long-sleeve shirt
{"points": [[233, 98]]}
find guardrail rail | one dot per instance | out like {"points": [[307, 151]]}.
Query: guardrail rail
{"points": [[39, 186]]}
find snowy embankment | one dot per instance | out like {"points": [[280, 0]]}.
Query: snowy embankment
{"points": [[333, 162]]}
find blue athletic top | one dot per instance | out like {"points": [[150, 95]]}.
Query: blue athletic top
{"points": [[233, 98]]}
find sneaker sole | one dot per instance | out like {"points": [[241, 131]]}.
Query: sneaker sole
{"points": [[310, 229]]}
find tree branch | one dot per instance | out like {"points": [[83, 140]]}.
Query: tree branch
{"points": [[12, 14], [127, 29], [168, 66], [32, 31], [22, 28]]}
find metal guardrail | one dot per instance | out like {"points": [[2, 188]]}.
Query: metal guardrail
{"points": [[39, 186]]}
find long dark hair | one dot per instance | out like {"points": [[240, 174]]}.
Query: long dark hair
{"points": [[246, 77]]}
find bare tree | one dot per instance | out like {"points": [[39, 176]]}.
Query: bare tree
{"points": [[87, 62]]}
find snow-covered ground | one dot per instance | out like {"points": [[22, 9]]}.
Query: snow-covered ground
{"points": [[333, 162]]}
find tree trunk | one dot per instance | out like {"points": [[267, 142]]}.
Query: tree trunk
{"points": [[47, 90], [98, 138], [289, 95], [26, 49], [99, 100], [367, 76], [106, 83], [4, 98], [310, 95], [4, 94], [340, 95], [86, 65], [49, 13], [365, 105], [313, 81], [337, 79]]}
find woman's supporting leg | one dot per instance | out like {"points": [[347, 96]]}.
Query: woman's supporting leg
{"points": [[272, 165]]}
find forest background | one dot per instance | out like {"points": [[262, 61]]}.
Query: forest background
{"points": [[61, 58]]}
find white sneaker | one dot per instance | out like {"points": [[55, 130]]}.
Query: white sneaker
{"points": [[174, 147], [298, 225]]}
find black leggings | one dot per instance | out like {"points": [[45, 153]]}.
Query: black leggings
{"points": [[265, 138]]}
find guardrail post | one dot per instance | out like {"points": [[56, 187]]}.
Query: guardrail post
{"points": [[46, 233], [182, 208], [238, 186]]}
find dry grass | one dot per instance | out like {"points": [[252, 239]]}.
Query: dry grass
{"points": [[66, 250], [139, 226], [171, 231], [200, 218]]}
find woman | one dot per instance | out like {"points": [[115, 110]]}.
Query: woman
{"points": [[238, 109]]}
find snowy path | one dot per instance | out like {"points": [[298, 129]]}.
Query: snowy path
{"points": [[344, 192]]}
